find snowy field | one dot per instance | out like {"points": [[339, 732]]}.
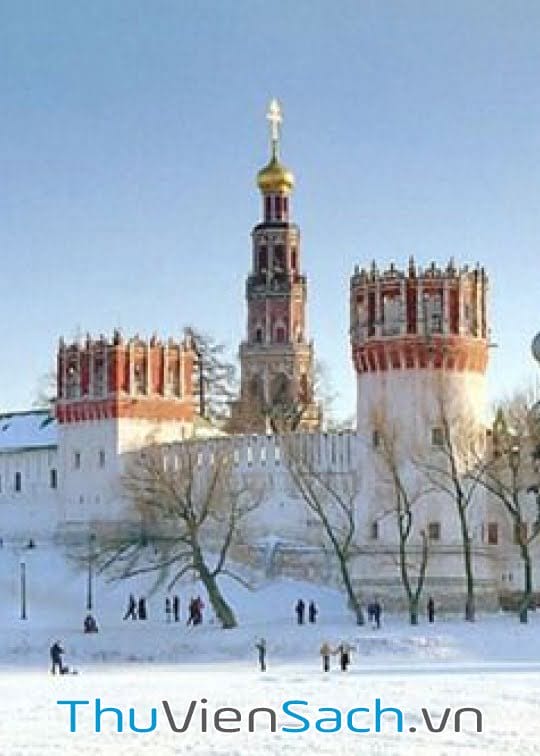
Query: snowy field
{"points": [[33, 724], [492, 665]]}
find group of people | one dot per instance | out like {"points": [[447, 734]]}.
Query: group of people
{"points": [[343, 651], [136, 609], [172, 609], [300, 610]]}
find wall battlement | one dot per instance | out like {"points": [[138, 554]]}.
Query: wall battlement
{"points": [[419, 318], [136, 378]]}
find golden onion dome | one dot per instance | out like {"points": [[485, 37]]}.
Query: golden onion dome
{"points": [[275, 177]]}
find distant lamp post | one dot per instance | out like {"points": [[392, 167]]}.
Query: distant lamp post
{"points": [[23, 590], [514, 459], [90, 577], [24, 556]]}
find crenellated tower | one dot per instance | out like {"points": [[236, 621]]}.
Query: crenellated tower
{"points": [[420, 345], [410, 331], [276, 357], [143, 380], [113, 397]]}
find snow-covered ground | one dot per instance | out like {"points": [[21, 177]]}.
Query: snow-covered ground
{"points": [[492, 665]]}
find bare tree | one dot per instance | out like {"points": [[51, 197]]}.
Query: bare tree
{"points": [[451, 466], [512, 474], [413, 560], [46, 391], [215, 377], [286, 408], [285, 414], [331, 496], [188, 509]]}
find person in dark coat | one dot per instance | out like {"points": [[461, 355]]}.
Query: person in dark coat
{"points": [[300, 609], [142, 608], [198, 607], [132, 608], [90, 624], [377, 611], [261, 648], [431, 609], [56, 651], [176, 608], [325, 652], [312, 612], [168, 609], [344, 651], [191, 612]]}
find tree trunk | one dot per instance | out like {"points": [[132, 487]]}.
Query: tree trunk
{"points": [[353, 599], [469, 603], [223, 611], [412, 597], [413, 611], [527, 580]]}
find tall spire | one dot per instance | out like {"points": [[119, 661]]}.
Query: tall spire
{"points": [[275, 118], [275, 177], [276, 357]]}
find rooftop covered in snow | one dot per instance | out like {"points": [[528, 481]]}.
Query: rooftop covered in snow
{"points": [[34, 429]]}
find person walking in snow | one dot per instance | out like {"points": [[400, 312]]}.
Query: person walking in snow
{"points": [[168, 609], [325, 652], [132, 608], [344, 651], [431, 609], [300, 609], [176, 608], [312, 612], [261, 648], [56, 651], [90, 624], [199, 606], [377, 611], [191, 611], [142, 608]]}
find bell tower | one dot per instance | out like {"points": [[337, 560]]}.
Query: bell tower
{"points": [[276, 357]]}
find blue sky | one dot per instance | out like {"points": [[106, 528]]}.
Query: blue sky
{"points": [[131, 133]]}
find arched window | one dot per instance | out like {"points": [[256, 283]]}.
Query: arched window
{"points": [[279, 258], [391, 315], [280, 388], [259, 335], [139, 374], [256, 389], [280, 335], [99, 377], [277, 203], [263, 259], [72, 382], [267, 208], [304, 388], [293, 258]]}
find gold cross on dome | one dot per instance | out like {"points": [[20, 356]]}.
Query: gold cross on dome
{"points": [[276, 119]]}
